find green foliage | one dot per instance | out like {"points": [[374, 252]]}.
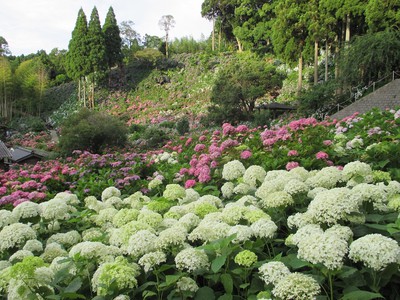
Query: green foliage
{"points": [[147, 57], [319, 98], [155, 137], [113, 40], [183, 126], [92, 131], [96, 44], [239, 85], [77, 63], [370, 57], [28, 124]]}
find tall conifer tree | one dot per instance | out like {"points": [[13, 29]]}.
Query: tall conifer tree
{"points": [[77, 63], [96, 44], [113, 40]]}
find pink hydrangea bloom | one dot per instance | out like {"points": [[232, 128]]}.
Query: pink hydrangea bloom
{"points": [[199, 147], [190, 183], [293, 153], [322, 155], [291, 165], [245, 154], [327, 142]]}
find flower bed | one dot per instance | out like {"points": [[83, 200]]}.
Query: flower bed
{"points": [[301, 210]]}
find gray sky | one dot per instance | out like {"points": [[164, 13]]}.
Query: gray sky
{"points": [[32, 25]]}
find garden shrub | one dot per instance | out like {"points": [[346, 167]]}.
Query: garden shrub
{"points": [[92, 131], [182, 126], [155, 137]]}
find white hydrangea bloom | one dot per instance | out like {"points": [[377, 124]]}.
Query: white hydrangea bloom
{"points": [[204, 233], [141, 242], [120, 273], [299, 173], [243, 189], [67, 239], [312, 193], [3, 265], [227, 189], [19, 256], [167, 223], [254, 175], [375, 251], [110, 192], [93, 250], [233, 170], [69, 198], [326, 248], [247, 200], [26, 210], [327, 177], [52, 251], [274, 174], [114, 202], [233, 213], [44, 275], [174, 192], [295, 187], [149, 217], [213, 200], [92, 203], [122, 297], [189, 221], [7, 218], [264, 228], [33, 246], [243, 233], [171, 237], [152, 259], [343, 232], [120, 236], [253, 214], [55, 209], [296, 286], [154, 183], [124, 216], [273, 272], [375, 194], [192, 260], [271, 186], [277, 199], [15, 235], [333, 205], [191, 196], [357, 172], [187, 284], [92, 234], [299, 220], [63, 263], [136, 200], [105, 217], [392, 188]]}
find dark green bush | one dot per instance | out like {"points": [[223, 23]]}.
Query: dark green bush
{"points": [[27, 124], [155, 137], [182, 126], [92, 131]]}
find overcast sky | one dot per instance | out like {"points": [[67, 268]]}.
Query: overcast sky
{"points": [[32, 25]]}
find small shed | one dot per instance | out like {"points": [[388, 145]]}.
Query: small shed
{"points": [[5, 156], [275, 108], [21, 155]]}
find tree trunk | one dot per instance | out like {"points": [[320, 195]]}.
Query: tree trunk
{"points": [[240, 46], [316, 62], [300, 78], [347, 39], [213, 36], [166, 44], [326, 59]]}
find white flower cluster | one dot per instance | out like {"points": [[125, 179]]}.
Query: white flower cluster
{"points": [[56, 209], [120, 273], [296, 286], [7, 218], [67, 239], [187, 284], [357, 172], [141, 242], [174, 192], [316, 246], [15, 235], [192, 260], [152, 259], [93, 251], [26, 210], [273, 272], [254, 175], [375, 251], [233, 170], [327, 177], [110, 192], [171, 158]]}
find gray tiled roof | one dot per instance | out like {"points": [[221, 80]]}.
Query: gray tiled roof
{"points": [[4, 151]]}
